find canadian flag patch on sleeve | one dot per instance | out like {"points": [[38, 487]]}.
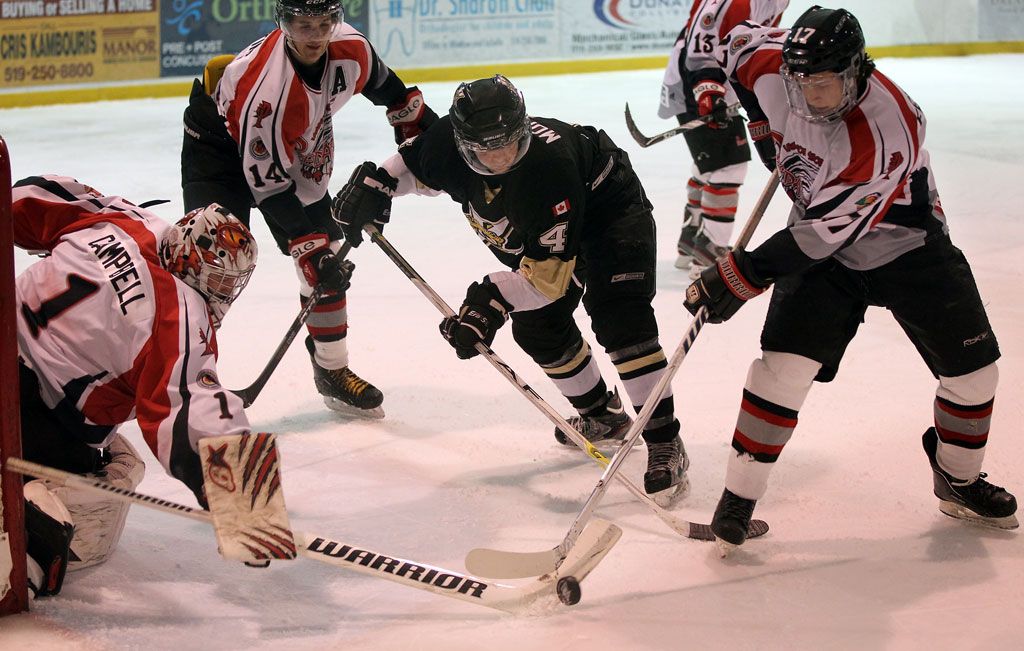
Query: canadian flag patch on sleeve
{"points": [[561, 208]]}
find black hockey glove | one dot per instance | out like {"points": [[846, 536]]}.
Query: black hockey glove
{"points": [[319, 265], [365, 199], [411, 116], [483, 312], [761, 134], [725, 287]]}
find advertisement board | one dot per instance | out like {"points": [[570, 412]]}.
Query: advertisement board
{"points": [[46, 42]]}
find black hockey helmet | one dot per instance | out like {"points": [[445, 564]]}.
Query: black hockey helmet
{"points": [[489, 114], [287, 9], [824, 40]]}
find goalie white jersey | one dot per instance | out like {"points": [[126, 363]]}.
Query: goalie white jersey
{"points": [[109, 332]]}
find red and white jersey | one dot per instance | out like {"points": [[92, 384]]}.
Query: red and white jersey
{"points": [[283, 127], [108, 331], [694, 52], [862, 187]]}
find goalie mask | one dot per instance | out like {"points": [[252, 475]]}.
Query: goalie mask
{"points": [[213, 253], [824, 64], [492, 129]]}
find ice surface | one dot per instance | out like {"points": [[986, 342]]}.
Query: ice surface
{"points": [[858, 556]]}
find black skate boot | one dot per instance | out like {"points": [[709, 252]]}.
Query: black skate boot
{"points": [[344, 391], [731, 522], [685, 243], [606, 427], [665, 480], [974, 500]]}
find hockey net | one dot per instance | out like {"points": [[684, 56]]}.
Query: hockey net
{"points": [[13, 583]]}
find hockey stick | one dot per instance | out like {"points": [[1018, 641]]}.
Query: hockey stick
{"points": [[645, 141], [493, 562], [595, 543], [249, 393], [679, 525]]}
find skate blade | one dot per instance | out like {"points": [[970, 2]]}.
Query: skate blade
{"points": [[672, 495], [342, 407], [683, 261], [960, 512], [724, 547]]}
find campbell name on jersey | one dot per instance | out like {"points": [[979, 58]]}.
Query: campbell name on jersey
{"points": [[862, 187], [109, 332]]}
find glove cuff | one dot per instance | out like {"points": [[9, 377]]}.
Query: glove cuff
{"points": [[708, 86], [739, 278], [300, 248]]}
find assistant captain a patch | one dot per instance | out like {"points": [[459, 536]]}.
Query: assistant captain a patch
{"points": [[560, 208]]}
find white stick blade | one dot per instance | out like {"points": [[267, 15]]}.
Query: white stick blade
{"points": [[499, 564], [594, 543]]}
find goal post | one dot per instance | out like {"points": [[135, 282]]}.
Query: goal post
{"points": [[13, 581]]}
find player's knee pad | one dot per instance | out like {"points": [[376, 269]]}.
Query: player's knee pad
{"points": [[733, 174], [100, 520], [973, 388], [49, 527], [782, 378]]}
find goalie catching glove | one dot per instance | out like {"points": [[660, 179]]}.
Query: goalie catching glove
{"points": [[365, 199], [411, 116], [242, 482], [724, 287], [481, 316]]}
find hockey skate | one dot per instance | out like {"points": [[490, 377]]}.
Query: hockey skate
{"points": [[974, 500], [605, 429], [731, 522], [703, 251], [344, 391], [685, 243], [665, 480]]}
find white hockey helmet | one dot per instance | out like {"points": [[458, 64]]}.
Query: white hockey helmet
{"points": [[211, 251]]}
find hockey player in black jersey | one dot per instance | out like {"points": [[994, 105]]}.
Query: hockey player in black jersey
{"points": [[561, 207]]}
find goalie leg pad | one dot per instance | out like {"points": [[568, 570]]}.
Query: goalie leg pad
{"points": [[99, 521], [49, 529], [242, 480]]}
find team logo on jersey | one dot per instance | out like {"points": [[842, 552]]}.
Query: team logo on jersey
{"points": [[207, 379], [560, 208], [264, 110], [707, 21], [739, 43], [894, 162], [317, 164], [258, 150], [870, 199], [495, 234]]}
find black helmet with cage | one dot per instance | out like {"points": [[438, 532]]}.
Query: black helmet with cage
{"points": [[486, 115], [825, 40]]}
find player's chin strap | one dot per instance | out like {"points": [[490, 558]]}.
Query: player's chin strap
{"points": [[249, 393], [550, 560], [679, 525], [647, 141], [595, 543]]}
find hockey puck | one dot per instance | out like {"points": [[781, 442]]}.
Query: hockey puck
{"points": [[568, 589]]}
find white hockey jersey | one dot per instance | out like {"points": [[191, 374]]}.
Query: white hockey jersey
{"points": [[109, 332], [283, 127], [862, 188], [694, 50]]}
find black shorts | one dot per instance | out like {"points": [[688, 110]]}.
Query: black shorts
{"points": [[618, 270], [57, 437], [930, 291], [713, 149]]}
